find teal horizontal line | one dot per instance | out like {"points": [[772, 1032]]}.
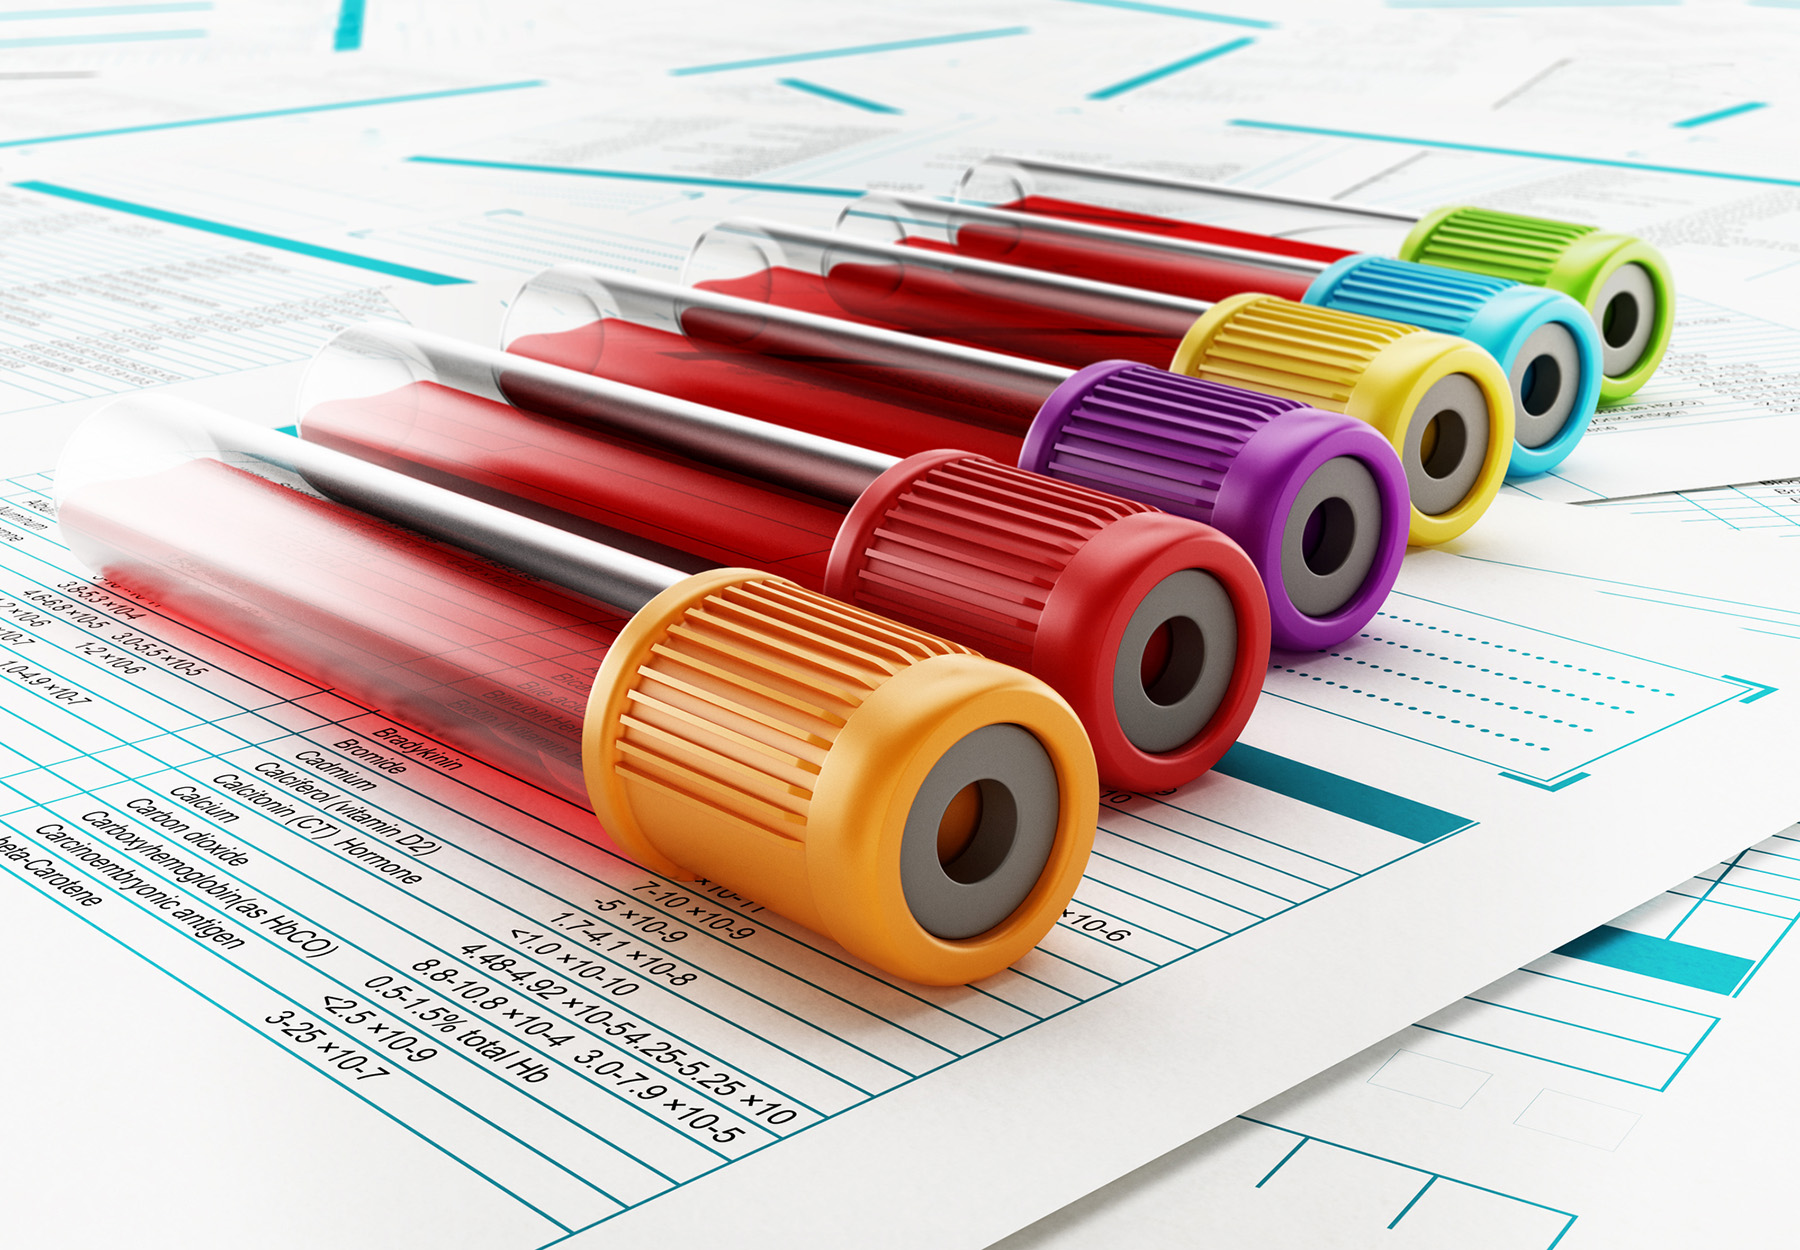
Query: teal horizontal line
{"points": [[1334, 793], [266, 113], [1522, 152], [122, 36], [865, 49], [1674, 962], [842, 97], [1169, 10], [248, 236], [1721, 115], [1132, 84], [104, 10], [628, 175]]}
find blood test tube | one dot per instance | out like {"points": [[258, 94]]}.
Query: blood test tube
{"points": [[928, 809], [1543, 339], [1623, 282], [1317, 499], [1443, 403], [1154, 627]]}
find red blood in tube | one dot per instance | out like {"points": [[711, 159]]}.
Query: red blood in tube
{"points": [[842, 394], [1049, 206], [1194, 277], [471, 653], [457, 437], [975, 310]]}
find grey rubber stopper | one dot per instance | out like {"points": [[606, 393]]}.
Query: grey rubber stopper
{"points": [[1203, 640], [1546, 378], [1626, 310], [1457, 411], [1325, 563], [1020, 803]]}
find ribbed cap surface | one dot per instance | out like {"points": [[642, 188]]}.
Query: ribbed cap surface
{"points": [[739, 704], [1154, 435], [1505, 245], [971, 548], [1428, 296], [1316, 355]]}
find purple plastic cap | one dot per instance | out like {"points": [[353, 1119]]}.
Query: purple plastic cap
{"points": [[1317, 499]]}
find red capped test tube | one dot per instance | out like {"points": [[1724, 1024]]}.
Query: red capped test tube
{"points": [[1317, 499], [1154, 627], [1444, 404], [929, 809]]}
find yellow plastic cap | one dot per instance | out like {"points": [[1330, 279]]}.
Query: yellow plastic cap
{"points": [[928, 809], [1444, 403]]}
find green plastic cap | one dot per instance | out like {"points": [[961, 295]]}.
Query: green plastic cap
{"points": [[1622, 281]]}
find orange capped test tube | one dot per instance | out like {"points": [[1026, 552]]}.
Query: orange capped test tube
{"points": [[928, 809]]}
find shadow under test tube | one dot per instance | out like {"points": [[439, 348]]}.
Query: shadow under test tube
{"points": [[1543, 339], [1623, 282], [1316, 499], [1154, 627], [1443, 403], [928, 809]]}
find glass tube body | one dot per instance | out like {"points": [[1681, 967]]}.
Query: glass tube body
{"points": [[890, 392], [514, 436], [943, 295], [1205, 212], [222, 532], [1079, 249]]}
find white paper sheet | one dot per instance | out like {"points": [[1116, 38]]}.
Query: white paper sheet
{"points": [[103, 301], [148, 1116], [1768, 508], [1624, 1089], [1229, 939], [1619, 1091]]}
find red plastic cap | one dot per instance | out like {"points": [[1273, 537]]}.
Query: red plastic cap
{"points": [[1155, 628]]}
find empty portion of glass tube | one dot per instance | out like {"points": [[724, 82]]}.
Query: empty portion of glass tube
{"points": [[1154, 627], [1543, 339], [1622, 282], [928, 809], [1444, 404]]}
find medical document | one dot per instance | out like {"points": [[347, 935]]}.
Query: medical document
{"points": [[557, 1042], [287, 970], [1621, 1088], [1612, 1092]]}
